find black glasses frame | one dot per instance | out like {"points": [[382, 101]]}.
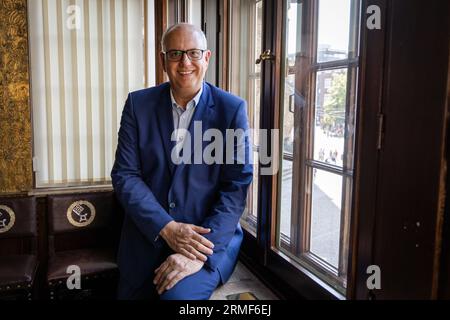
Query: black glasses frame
{"points": [[184, 52]]}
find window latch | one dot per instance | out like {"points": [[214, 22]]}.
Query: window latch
{"points": [[266, 55]]}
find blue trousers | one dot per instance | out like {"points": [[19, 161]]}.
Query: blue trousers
{"points": [[198, 286]]}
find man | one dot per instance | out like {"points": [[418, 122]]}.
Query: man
{"points": [[181, 232]]}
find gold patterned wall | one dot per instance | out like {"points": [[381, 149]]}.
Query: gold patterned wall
{"points": [[15, 119]]}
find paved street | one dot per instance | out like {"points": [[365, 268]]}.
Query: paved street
{"points": [[326, 206]]}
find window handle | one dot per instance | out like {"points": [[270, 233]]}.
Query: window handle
{"points": [[291, 105], [301, 102], [266, 55]]}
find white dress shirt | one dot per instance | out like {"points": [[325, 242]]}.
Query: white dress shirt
{"points": [[182, 118]]}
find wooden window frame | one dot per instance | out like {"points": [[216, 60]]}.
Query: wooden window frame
{"points": [[253, 76], [263, 249], [373, 217], [225, 78], [303, 149]]}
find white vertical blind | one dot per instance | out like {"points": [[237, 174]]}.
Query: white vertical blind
{"points": [[86, 55], [151, 42]]}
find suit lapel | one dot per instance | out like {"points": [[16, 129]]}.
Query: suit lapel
{"points": [[165, 124]]}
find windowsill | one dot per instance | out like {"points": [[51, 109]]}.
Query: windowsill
{"points": [[327, 287], [70, 190]]}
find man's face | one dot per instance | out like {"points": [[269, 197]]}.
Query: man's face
{"points": [[185, 76]]}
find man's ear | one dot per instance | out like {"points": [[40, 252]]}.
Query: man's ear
{"points": [[162, 61], [207, 55]]}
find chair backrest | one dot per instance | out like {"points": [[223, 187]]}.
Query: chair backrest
{"points": [[80, 221], [18, 225]]}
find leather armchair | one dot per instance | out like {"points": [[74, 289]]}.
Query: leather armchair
{"points": [[83, 232], [18, 247]]}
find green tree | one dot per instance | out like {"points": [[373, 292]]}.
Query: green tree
{"points": [[334, 105]]}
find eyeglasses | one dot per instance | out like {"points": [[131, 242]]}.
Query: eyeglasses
{"points": [[177, 55]]}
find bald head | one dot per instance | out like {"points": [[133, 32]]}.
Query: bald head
{"points": [[185, 28], [185, 71]]}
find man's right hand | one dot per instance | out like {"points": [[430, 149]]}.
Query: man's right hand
{"points": [[187, 239]]}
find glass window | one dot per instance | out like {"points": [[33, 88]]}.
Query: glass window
{"points": [[318, 114], [329, 117], [333, 30], [245, 80], [326, 197]]}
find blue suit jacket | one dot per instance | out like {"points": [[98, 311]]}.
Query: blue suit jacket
{"points": [[154, 191]]}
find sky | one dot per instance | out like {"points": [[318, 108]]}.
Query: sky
{"points": [[334, 18]]}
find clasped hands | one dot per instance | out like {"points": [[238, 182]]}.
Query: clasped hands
{"points": [[190, 249]]}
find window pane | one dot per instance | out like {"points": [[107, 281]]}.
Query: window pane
{"points": [[288, 114], [292, 49], [326, 215], [258, 32], [255, 101], [317, 118], [286, 199], [334, 27], [329, 126], [245, 80], [249, 217]]}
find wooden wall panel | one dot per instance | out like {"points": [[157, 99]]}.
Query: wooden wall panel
{"points": [[15, 120], [407, 229]]}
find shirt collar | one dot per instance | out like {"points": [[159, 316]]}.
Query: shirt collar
{"points": [[190, 104]]}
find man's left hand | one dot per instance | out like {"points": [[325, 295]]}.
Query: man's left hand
{"points": [[175, 268]]}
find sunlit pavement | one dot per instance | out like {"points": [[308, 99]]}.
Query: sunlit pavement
{"points": [[326, 206]]}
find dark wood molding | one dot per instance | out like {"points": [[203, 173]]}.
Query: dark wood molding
{"points": [[278, 104], [224, 52], [442, 238], [372, 48], [146, 45], [444, 259], [160, 27], [268, 101], [406, 232]]}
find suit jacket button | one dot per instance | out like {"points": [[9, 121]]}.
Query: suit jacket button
{"points": [[172, 205]]}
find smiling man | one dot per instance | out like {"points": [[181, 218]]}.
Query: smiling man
{"points": [[181, 234]]}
